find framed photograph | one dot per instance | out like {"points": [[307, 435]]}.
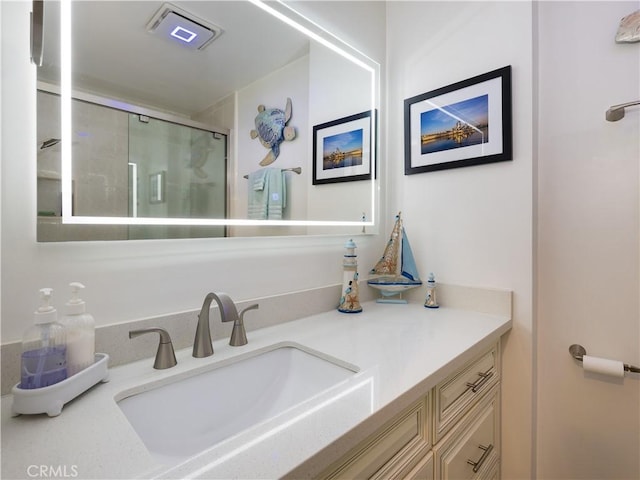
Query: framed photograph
{"points": [[463, 124], [342, 149]]}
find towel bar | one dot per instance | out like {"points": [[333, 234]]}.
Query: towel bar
{"points": [[578, 351], [297, 170]]}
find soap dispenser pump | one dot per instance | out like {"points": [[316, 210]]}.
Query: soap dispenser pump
{"points": [[44, 350], [80, 327]]}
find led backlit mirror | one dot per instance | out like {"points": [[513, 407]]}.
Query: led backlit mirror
{"points": [[125, 63]]}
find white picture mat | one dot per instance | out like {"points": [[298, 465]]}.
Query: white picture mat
{"points": [[363, 124], [493, 88]]}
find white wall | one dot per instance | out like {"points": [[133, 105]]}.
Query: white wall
{"points": [[272, 91], [588, 241], [336, 92], [472, 226], [350, 20], [137, 279]]}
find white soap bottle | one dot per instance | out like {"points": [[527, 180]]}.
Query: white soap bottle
{"points": [[43, 361], [80, 328]]}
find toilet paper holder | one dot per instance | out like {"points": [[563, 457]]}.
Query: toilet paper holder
{"points": [[578, 351]]}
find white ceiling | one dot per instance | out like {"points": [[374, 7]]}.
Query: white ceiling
{"points": [[114, 55]]}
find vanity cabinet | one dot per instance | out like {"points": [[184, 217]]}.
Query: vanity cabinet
{"points": [[453, 432]]}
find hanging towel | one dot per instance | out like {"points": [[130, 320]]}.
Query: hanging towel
{"points": [[277, 194], [258, 195], [267, 194], [257, 179]]}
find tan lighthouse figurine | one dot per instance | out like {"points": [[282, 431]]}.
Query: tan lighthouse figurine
{"points": [[349, 302]]}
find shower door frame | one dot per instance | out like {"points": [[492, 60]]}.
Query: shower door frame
{"points": [[159, 115]]}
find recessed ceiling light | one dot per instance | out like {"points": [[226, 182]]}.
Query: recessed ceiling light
{"points": [[183, 34], [180, 26]]}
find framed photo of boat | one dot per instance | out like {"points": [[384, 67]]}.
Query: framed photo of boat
{"points": [[463, 124], [342, 149]]}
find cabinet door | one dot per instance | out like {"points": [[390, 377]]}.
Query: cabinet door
{"points": [[471, 449], [422, 471], [392, 452], [457, 394]]}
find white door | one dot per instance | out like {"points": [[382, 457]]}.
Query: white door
{"points": [[588, 426]]}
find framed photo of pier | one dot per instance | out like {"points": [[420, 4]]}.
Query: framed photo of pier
{"points": [[460, 125], [342, 149]]}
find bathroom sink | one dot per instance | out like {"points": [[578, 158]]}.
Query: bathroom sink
{"points": [[188, 415]]}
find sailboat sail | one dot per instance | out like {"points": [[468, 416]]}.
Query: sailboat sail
{"points": [[396, 271], [409, 269], [388, 264]]}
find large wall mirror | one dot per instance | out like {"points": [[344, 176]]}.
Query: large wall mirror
{"points": [[201, 119]]}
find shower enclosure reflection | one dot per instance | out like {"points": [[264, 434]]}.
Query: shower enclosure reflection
{"points": [[181, 171], [134, 165]]}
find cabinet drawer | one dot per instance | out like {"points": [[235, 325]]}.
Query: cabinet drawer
{"points": [[456, 395], [472, 449], [392, 451]]}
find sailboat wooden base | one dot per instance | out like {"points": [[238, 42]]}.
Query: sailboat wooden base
{"points": [[391, 288], [391, 300]]}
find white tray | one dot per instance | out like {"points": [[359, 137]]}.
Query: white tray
{"points": [[51, 399]]}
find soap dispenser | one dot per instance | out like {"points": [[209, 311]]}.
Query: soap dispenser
{"points": [[44, 350], [80, 329]]}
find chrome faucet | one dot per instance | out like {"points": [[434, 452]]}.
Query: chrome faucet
{"points": [[202, 346]]}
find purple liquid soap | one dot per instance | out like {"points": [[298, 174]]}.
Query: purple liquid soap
{"points": [[43, 367]]}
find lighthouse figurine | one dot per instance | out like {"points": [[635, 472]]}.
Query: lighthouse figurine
{"points": [[349, 302], [430, 301]]}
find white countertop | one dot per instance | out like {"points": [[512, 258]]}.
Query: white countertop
{"points": [[402, 351]]}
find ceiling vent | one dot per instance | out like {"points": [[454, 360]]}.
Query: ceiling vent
{"points": [[183, 28]]}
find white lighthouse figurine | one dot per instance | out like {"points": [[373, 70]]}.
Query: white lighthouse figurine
{"points": [[430, 301], [349, 302]]}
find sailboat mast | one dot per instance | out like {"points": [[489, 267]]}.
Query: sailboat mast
{"points": [[399, 249], [390, 263]]}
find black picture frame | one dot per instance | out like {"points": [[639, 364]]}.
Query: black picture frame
{"points": [[463, 124], [332, 164]]}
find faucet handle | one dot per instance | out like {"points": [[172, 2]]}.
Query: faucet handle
{"points": [[239, 335], [165, 356]]}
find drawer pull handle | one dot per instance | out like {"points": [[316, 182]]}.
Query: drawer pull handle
{"points": [[481, 381], [485, 454]]}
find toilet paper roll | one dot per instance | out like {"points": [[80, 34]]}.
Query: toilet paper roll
{"points": [[603, 366]]}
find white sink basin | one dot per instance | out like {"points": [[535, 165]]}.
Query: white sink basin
{"points": [[189, 415]]}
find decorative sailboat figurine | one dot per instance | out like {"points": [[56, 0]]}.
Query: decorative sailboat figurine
{"points": [[396, 271]]}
